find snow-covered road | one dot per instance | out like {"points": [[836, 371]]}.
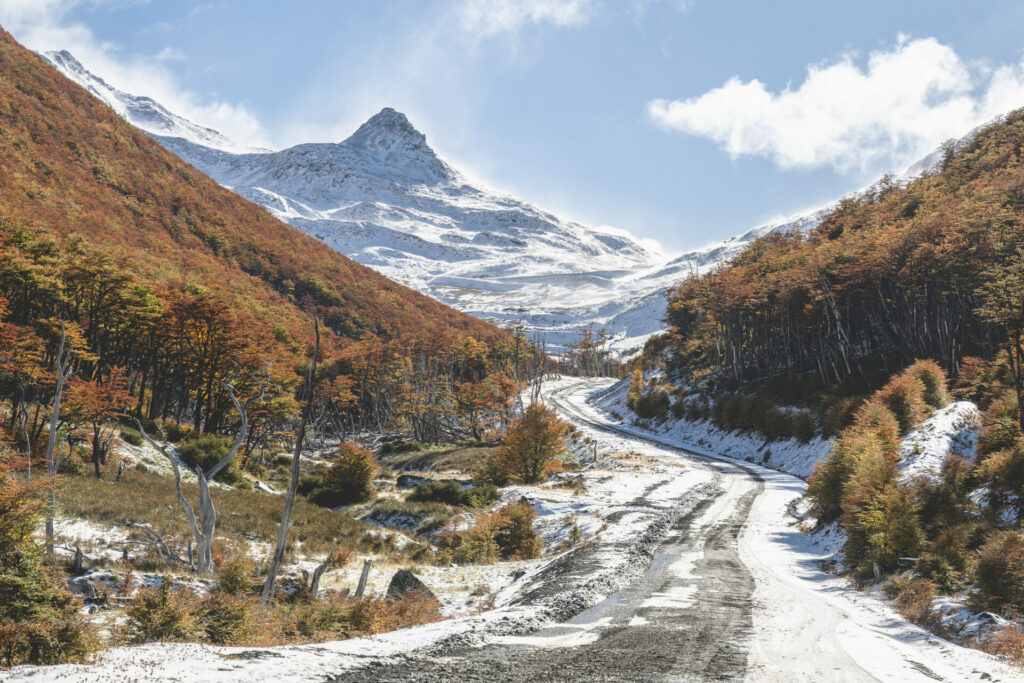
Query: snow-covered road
{"points": [[806, 624], [699, 574]]}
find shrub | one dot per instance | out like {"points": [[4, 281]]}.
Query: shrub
{"points": [[1006, 641], [516, 537], [636, 386], [349, 479], [972, 382], [880, 519], [506, 533], [803, 427], [1004, 473], [491, 472], [776, 424], [530, 442], [163, 613], [941, 573], [400, 447], [176, 432], [131, 436], [999, 571], [913, 597], [440, 491], [652, 405], [1001, 427], [874, 415], [904, 397], [837, 414], [235, 575], [933, 379], [678, 409], [39, 620], [310, 482], [698, 409], [46, 641], [207, 451], [451, 492], [889, 525], [379, 615], [226, 619], [828, 484]]}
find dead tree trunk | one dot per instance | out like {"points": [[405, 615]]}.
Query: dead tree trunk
{"points": [[63, 365], [293, 484], [28, 446], [318, 573], [204, 526], [363, 576]]}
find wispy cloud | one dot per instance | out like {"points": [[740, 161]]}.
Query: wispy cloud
{"points": [[486, 18], [45, 25], [481, 19], [900, 106]]}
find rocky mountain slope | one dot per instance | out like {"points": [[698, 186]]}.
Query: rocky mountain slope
{"points": [[385, 198]]}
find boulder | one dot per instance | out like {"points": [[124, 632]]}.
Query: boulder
{"points": [[84, 586], [408, 481], [405, 582]]}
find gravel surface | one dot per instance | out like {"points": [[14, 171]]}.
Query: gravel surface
{"points": [[685, 615]]}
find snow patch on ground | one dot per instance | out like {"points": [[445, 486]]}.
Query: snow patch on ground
{"points": [[953, 428], [788, 456]]}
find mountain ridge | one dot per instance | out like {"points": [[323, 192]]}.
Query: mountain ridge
{"points": [[74, 167], [385, 198]]}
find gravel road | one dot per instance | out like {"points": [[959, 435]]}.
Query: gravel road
{"points": [[722, 599]]}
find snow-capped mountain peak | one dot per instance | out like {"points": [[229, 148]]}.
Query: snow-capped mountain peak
{"points": [[385, 198], [387, 130], [389, 138]]}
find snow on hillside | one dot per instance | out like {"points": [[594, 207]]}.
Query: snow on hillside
{"points": [[922, 450], [385, 198], [953, 428], [142, 112], [702, 436]]}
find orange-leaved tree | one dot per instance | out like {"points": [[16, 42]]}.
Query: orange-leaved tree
{"points": [[97, 404], [531, 442]]}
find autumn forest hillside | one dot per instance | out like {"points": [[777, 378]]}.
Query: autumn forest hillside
{"points": [[73, 168], [175, 284], [864, 332], [929, 269]]}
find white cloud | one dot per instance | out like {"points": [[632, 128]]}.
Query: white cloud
{"points": [[479, 19], [897, 109], [485, 18], [43, 25]]}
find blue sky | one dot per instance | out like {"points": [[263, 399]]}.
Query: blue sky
{"points": [[684, 121]]}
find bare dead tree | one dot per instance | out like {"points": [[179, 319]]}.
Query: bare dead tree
{"points": [[318, 573], [28, 446], [64, 372], [155, 539], [293, 484], [204, 526]]}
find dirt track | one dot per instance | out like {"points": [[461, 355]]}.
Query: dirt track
{"points": [[733, 591], [688, 617]]}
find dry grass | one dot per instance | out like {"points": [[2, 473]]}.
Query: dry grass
{"points": [[1006, 641], [148, 498], [449, 458], [179, 615]]}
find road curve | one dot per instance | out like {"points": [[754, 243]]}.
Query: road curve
{"points": [[716, 603]]}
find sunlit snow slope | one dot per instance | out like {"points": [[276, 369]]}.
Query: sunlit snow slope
{"points": [[384, 198]]}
